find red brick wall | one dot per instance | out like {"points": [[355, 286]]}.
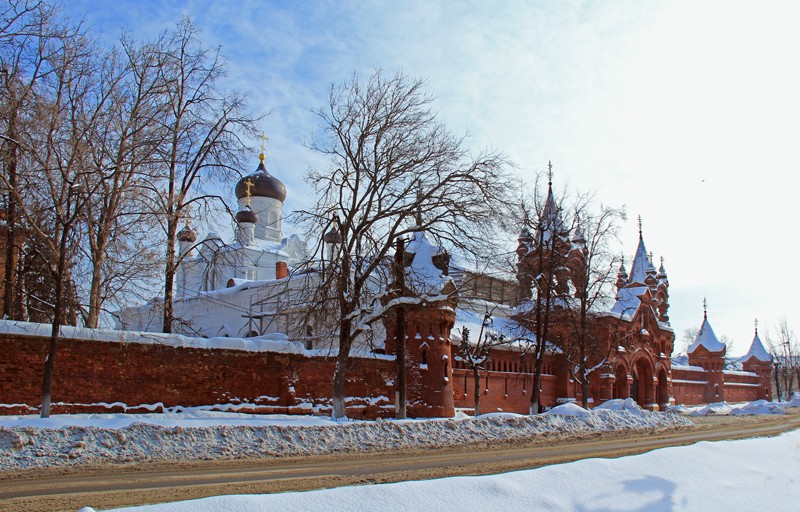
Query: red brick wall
{"points": [[502, 391], [692, 387], [89, 372]]}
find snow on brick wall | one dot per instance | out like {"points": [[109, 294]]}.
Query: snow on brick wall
{"points": [[90, 372]]}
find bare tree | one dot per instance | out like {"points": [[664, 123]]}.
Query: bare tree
{"points": [[202, 141], [27, 30], [476, 356], [395, 170], [785, 352], [592, 262], [123, 149], [543, 274]]}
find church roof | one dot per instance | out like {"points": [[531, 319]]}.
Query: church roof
{"points": [[706, 338], [757, 350]]}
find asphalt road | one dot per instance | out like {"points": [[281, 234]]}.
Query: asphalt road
{"points": [[108, 486]]}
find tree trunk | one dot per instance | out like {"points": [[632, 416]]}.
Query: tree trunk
{"points": [[340, 373], [169, 276], [476, 374], [12, 252], [400, 333], [49, 364], [537, 384], [585, 392], [95, 292]]}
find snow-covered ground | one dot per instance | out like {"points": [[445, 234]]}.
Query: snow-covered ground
{"points": [[752, 474], [198, 434]]}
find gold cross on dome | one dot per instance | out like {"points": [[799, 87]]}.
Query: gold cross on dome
{"points": [[248, 184], [186, 213], [264, 140]]}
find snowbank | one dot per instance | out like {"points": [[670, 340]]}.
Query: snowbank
{"points": [[724, 408], [751, 474], [26, 441]]}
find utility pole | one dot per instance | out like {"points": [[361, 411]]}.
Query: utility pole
{"points": [[400, 331]]}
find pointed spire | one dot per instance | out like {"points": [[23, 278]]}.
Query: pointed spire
{"points": [[641, 262], [621, 271], [640, 227], [757, 349], [706, 336]]}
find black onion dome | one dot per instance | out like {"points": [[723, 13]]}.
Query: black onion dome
{"points": [[334, 236], [187, 234], [263, 185], [246, 215]]}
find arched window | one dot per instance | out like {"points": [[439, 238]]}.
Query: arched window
{"points": [[716, 390]]}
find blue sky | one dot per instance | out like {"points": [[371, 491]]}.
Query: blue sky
{"points": [[685, 112]]}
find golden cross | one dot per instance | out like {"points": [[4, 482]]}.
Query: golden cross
{"points": [[187, 213], [264, 140], [248, 184]]}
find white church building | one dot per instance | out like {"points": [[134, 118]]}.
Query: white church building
{"points": [[231, 289]]}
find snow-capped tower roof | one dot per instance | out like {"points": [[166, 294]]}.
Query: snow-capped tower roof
{"points": [[424, 276], [706, 337], [641, 263], [551, 223], [757, 349]]}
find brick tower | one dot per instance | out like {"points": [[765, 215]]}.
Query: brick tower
{"points": [[430, 301], [759, 361]]}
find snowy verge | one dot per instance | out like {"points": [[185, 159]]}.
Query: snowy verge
{"points": [[750, 474], [748, 408], [108, 441]]}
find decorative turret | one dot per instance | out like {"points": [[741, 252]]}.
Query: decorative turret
{"points": [[759, 361], [428, 323], [552, 244], [650, 280], [709, 353], [622, 275], [662, 274], [643, 278]]}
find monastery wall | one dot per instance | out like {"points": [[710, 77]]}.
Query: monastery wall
{"points": [[139, 375]]}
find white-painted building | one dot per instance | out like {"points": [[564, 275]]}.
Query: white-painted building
{"points": [[233, 289]]}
